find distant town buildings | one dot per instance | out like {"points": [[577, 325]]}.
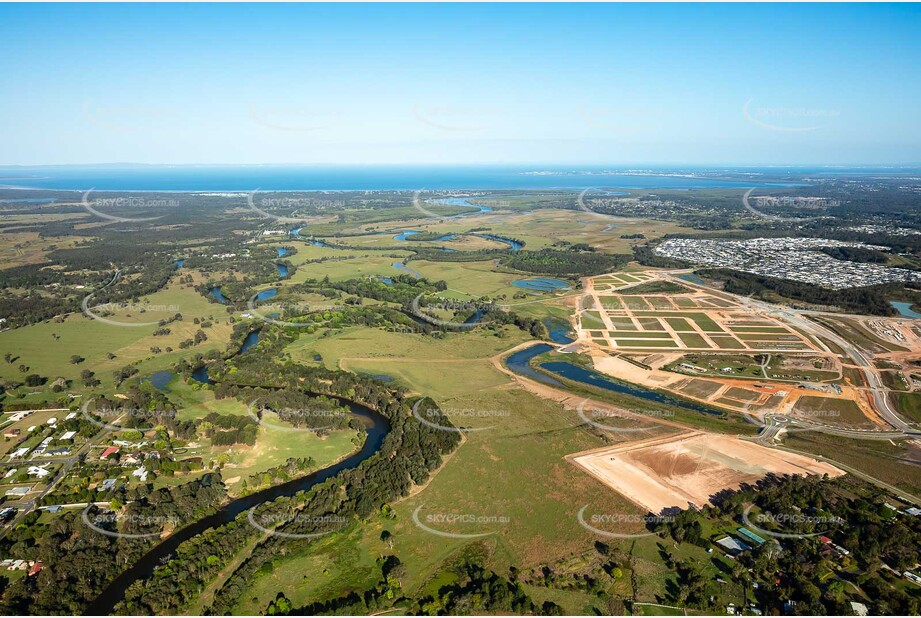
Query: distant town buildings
{"points": [[891, 230], [796, 259]]}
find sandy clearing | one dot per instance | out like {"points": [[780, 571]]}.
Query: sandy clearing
{"points": [[687, 469]]}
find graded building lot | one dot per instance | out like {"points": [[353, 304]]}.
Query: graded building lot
{"points": [[693, 320], [688, 469], [748, 361], [853, 330], [700, 389]]}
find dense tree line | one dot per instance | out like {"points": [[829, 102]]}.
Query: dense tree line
{"points": [[482, 591], [410, 452], [872, 300], [227, 429], [50, 293], [856, 254], [433, 254], [403, 290], [566, 263], [296, 407], [79, 562], [292, 468], [142, 408], [852, 513]]}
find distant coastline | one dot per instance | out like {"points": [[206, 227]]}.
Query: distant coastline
{"points": [[245, 178]]}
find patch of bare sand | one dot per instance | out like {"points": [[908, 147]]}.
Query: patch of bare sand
{"points": [[687, 469], [625, 370]]}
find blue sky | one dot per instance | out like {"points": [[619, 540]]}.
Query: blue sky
{"points": [[511, 83]]}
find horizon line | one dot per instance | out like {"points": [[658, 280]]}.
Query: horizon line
{"points": [[555, 165]]}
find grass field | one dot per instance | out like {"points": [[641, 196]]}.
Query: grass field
{"points": [[693, 340], [514, 471], [473, 278], [831, 411], [727, 343], [645, 343], [195, 401], [719, 365], [895, 464], [360, 342], [334, 566], [275, 445], [377, 264], [46, 347], [908, 404], [705, 323], [23, 248]]}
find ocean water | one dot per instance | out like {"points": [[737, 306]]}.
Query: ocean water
{"points": [[355, 177]]}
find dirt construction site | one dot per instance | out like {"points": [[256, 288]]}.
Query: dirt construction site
{"points": [[638, 315], [666, 331], [654, 330], [689, 468]]}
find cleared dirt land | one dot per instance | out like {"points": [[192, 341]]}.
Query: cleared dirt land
{"points": [[688, 468]]}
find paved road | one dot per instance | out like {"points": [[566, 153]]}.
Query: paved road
{"points": [[26, 507], [9, 421], [33, 461], [901, 493], [799, 318], [764, 366], [879, 392], [775, 425]]}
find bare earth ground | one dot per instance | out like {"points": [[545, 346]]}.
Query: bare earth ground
{"points": [[609, 298], [688, 468]]}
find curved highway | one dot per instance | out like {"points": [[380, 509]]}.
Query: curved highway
{"points": [[800, 318]]}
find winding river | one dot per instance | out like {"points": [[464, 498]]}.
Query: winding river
{"points": [[462, 201], [377, 428], [263, 295], [313, 241], [514, 245], [406, 269], [219, 296], [519, 362]]}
